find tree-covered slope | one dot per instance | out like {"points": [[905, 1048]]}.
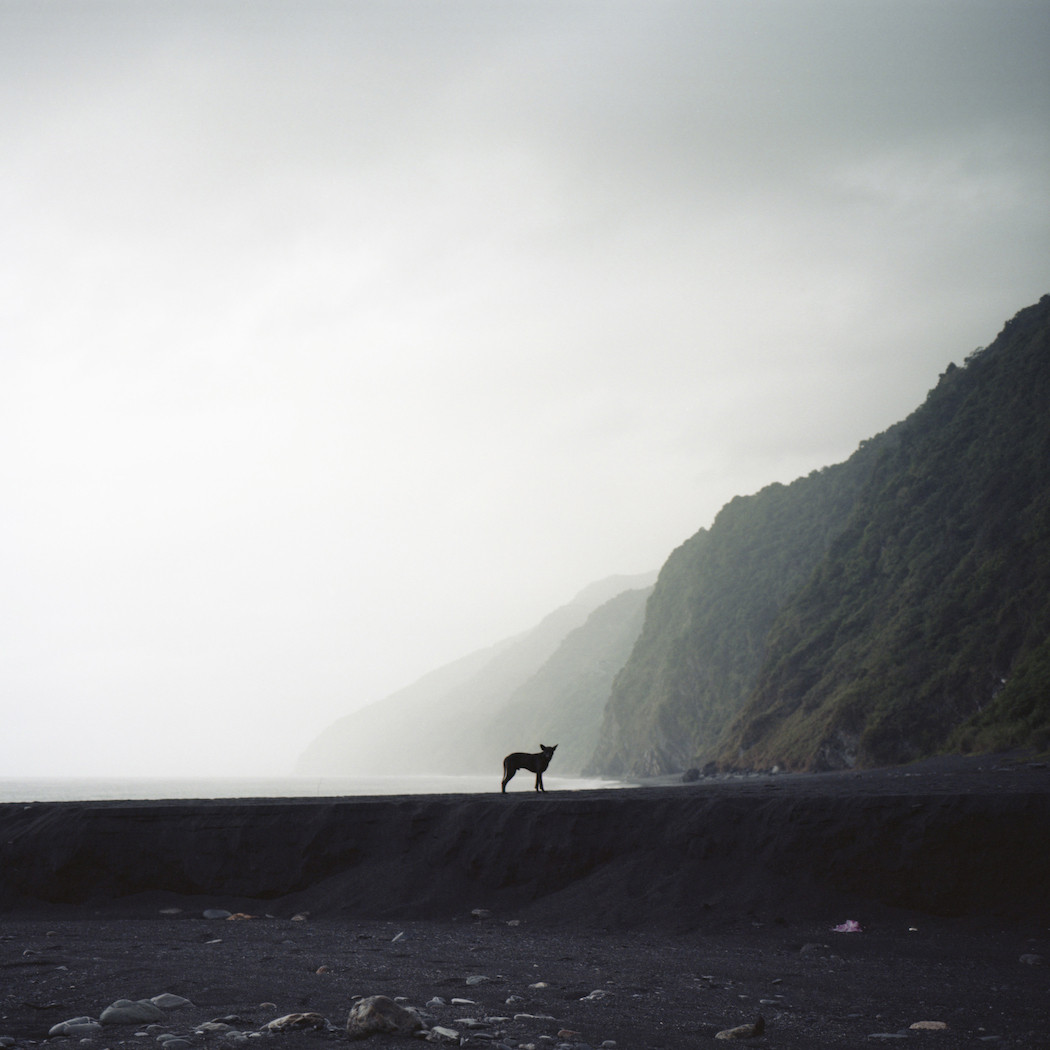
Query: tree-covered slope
{"points": [[705, 630], [873, 612], [927, 624]]}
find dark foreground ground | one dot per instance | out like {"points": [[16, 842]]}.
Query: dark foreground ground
{"points": [[688, 909]]}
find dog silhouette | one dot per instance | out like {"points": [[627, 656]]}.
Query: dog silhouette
{"points": [[533, 763]]}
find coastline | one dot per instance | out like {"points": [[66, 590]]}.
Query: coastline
{"points": [[649, 918], [949, 839]]}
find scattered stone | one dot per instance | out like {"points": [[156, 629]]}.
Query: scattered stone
{"points": [[171, 911], [267, 1006], [296, 1022], [440, 1034], [239, 916], [478, 978], [1030, 959], [595, 996], [480, 913], [124, 1011], [929, 1026], [217, 913], [514, 922], [213, 1028], [321, 969], [174, 1042], [301, 916], [568, 1033], [540, 984], [434, 1003], [82, 1026], [7, 1040], [743, 1031], [467, 1002], [377, 1014], [167, 1001]]}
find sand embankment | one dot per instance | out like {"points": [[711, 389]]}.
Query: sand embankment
{"points": [[947, 845]]}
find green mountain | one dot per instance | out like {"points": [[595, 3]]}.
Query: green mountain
{"points": [[873, 612], [548, 684]]}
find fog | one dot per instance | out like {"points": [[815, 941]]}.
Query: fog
{"points": [[340, 340]]}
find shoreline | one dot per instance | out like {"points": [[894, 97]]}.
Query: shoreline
{"points": [[947, 839]]}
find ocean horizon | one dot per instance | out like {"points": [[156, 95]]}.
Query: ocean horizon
{"points": [[110, 789]]}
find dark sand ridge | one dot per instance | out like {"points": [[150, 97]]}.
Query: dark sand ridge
{"points": [[692, 905], [966, 840]]}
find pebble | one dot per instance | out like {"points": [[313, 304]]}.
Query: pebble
{"points": [[743, 1031], [442, 1034], [125, 1011], [216, 913], [380, 1014], [1030, 959], [928, 1026], [167, 1001], [478, 978]]}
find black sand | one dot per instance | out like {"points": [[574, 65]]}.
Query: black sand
{"points": [[687, 904]]}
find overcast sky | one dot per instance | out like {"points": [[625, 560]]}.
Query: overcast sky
{"points": [[338, 340]]}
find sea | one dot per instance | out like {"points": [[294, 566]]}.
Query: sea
{"points": [[100, 789]]}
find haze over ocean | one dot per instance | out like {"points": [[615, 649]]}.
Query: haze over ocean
{"points": [[97, 789]]}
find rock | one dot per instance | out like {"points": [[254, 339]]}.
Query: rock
{"points": [[480, 913], [296, 1022], [81, 1026], [595, 996], [378, 1014], [239, 916], [216, 913], [1030, 959], [440, 1034], [437, 1001], [743, 1031], [7, 1040], [929, 1026], [478, 978], [167, 1001], [173, 1042], [124, 1011]]}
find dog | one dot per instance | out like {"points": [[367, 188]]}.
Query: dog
{"points": [[533, 763]]}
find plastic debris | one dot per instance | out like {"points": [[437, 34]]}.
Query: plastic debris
{"points": [[849, 926]]}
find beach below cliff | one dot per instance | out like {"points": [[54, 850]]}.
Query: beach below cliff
{"points": [[654, 917]]}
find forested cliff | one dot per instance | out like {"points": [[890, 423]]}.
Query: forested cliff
{"points": [[873, 612]]}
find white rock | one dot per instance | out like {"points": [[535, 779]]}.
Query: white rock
{"points": [[125, 1011], [167, 1001]]}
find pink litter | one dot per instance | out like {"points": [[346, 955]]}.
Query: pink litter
{"points": [[849, 926]]}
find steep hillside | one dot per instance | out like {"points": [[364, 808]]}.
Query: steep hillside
{"points": [[872, 612], [450, 721], [705, 630], [927, 624]]}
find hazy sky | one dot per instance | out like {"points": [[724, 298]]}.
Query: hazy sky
{"points": [[338, 340]]}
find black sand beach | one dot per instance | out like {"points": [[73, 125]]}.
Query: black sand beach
{"points": [[693, 908]]}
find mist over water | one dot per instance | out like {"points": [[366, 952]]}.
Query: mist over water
{"points": [[104, 789]]}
